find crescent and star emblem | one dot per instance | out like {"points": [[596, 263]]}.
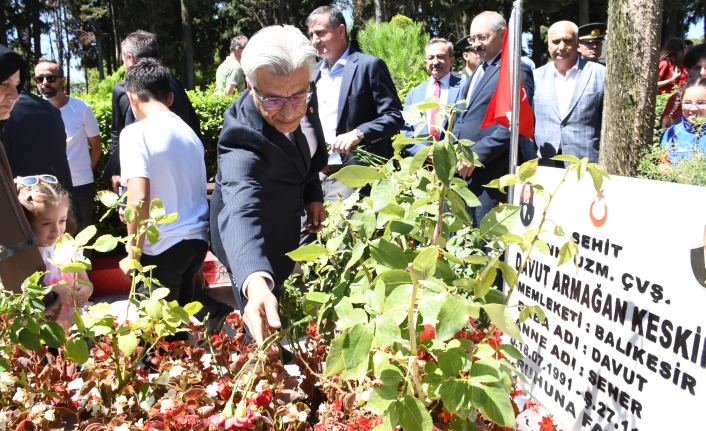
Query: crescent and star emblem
{"points": [[598, 222]]}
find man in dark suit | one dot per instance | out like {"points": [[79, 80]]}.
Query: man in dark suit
{"points": [[438, 59], [268, 170], [136, 46], [358, 103], [493, 142]]}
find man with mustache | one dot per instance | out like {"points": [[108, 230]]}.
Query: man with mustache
{"points": [[438, 59], [568, 104], [81, 133]]}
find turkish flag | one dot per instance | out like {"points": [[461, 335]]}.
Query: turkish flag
{"points": [[500, 106]]}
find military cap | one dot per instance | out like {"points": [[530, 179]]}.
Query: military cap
{"points": [[594, 32], [464, 44]]}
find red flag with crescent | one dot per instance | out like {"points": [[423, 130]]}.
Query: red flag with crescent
{"points": [[500, 106]]}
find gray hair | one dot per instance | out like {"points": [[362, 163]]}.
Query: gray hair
{"points": [[573, 26], [236, 42], [497, 22], [140, 44], [334, 17], [449, 45], [279, 49]]}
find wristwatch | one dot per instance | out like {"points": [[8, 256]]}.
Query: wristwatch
{"points": [[359, 133]]}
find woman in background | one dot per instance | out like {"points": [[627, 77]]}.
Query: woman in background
{"points": [[671, 72]]}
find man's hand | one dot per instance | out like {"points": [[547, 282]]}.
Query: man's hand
{"points": [[261, 312], [315, 215], [115, 181], [464, 169], [345, 142]]}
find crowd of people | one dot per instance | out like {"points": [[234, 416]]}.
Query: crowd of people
{"points": [[274, 166]]}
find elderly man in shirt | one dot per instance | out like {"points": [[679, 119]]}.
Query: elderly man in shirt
{"points": [[438, 59], [568, 99]]}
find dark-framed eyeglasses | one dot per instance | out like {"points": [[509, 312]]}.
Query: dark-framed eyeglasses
{"points": [[277, 103], [49, 78], [33, 180]]}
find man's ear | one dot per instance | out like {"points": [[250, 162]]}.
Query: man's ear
{"points": [[170, 99], [133, 98], [247, 84]]}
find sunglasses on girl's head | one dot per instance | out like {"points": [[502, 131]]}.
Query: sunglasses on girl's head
{"points": [[36, 179], [49, 78]]}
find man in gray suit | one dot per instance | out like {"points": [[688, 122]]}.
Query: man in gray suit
{"points": [[568, 102], [268, 172]]}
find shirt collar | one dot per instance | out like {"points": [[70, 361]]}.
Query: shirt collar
{"points": [[574, 68], [341, 61], [445, 81]]}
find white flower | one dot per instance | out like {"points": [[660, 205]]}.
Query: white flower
{"points": [[206, 360], [176, 371], [93, 408], [20, 395], [75, 384], [293, 411], [163, 379], [167, 404], [322, 407], [212, 390], [49, 415], [38, 409], [7, 380], [121, 400], [123, 427], [285, 419], [171, 393], [148, 403], [302, 416]]}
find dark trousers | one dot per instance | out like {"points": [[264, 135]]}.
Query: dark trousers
{"points": [[83, 197], [176, 269]]}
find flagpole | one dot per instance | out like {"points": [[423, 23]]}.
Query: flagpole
{"points": [[515, 51]]}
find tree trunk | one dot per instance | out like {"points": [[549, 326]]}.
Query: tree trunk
{"points": [[538, 46], [3, 22], [36, 31], [378, 11], [116, 38], [188, 46], [425, 15], [281, 12], [583, 13], [630, 87]]}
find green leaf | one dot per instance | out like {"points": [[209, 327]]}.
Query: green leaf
{"points": [[429, 307], [486, 370], [100, 310], [356, 176], [192, 308], [511, 352], [387, 332], [32, 325], [397, 303], [558, 231], [426, 104], [483, 285], [53, 334], [128, 263], [528, 170], [475, 259], [452, 362], [454, 395], [76, 350], [307, 253], [85, 236], [497, 406], [109, 199], [357, 344], [459, 424], [380, 399], [171, 218], [566, 158], [467, 195], [334, 243], [567, 252], [383, 370], [349, 316], [413, 414], [382, 194], [388, 254], [356, 254], [453, 316], [508, 272], [444, 162], [129, 213], [393, 210], [335, 363], [152, 234], [29, 340], [419, 159], [153, 308], [500, 315], [425, 263], [160, 293], [127, 343], [105, 243], [499, 221], [394, 279], [157, 211]]}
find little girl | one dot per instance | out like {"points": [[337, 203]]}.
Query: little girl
{"points": [[48, 209], [687, 138]]}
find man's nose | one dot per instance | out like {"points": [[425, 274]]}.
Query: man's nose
{"points": [[13, 94]]}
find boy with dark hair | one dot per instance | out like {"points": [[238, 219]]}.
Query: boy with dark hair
{"points": [[161, 157]]}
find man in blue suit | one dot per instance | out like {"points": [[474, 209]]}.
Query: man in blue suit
{"points": [[568, 104], [268, 171], [438, 59], [358, 103], [493, 142]]}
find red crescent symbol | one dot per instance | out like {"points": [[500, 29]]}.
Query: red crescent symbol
{"points": [[601, 222]]}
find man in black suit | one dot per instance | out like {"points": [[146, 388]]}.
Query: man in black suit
{"points": [[135, 47], [492, 143], [268, 170], [358, 102]]}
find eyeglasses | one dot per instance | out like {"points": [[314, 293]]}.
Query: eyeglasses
{"points": [[479, 38], [33, 180], [49, 78], [277, 103], [688, 103]]}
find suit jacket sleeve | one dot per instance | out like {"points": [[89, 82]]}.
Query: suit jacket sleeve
{"points": [[120, 106], [389, 119], [493, 145], [241, 167]]}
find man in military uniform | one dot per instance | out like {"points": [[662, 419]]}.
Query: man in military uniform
{"points": [[591, 37]]}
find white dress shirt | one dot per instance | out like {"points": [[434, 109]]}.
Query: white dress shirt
{"points": [[565, 85], [443, 93], [328, 88]]}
